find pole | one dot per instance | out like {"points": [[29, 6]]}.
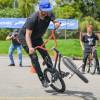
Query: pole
{"points": [[65, 34]]}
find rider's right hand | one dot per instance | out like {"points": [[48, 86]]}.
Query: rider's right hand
{"points": [[31, 50]]}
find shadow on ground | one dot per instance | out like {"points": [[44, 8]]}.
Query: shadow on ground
{"points": [[81, 94], [26, 66]]}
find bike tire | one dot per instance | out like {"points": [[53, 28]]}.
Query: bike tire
{"points": [[57, 89], [93, 67], [87, 68], [72, 67]]}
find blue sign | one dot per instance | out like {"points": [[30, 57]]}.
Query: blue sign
{"points": [[70, 24], [12, 22]]}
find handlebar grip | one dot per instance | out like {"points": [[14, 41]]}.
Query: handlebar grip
{"points": [[55, 49], [40, 47]]}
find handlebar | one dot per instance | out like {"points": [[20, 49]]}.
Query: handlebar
{"points": [[54, 49], [41, 47]]}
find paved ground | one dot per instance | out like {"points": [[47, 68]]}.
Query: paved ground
{"points": [[18, 83]]}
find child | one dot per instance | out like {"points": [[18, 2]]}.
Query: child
{"points": [[88, 42]]}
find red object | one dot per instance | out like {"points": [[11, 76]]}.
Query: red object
{"points": [[33, 69], [52, 36]]}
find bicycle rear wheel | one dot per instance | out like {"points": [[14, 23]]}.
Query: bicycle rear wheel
{"points": [[72, 67], [53, 77]]}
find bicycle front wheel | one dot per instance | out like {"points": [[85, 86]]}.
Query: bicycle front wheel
{"points": [[72, 67], [53, 77], [93, 66]]}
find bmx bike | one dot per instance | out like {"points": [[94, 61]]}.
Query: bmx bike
{"points": [[54, 76]]}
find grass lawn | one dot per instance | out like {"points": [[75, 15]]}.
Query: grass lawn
{"points": [[69, 47]]}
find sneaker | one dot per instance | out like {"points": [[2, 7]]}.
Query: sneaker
{"points": [[83, 71], [45, 83], [11, 65], [98, 71], [20, 65]]}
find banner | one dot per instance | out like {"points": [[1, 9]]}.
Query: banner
{"points": [[12, 22], [68, 24]]}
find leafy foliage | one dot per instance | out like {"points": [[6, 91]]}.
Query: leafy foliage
{"points": [[4, 33], [26, 6], [9, 12], [66, 11], [89, 20], [84, 12], [5, 3]]}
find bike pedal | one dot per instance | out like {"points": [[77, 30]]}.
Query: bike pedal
{"points": [[67, 73], [64, 74]]}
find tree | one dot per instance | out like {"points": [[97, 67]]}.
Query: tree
{"points": [[26, 6], [9, 12], [5, 3], [89, 20], [66, 11], [98, 9], [85, 7]]}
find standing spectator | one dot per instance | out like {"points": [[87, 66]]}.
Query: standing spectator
{"points": [[88, 42], [13, 36]]}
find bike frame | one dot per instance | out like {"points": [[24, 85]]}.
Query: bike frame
{"points": [[57, 60], [90, 56], [58, 54]]}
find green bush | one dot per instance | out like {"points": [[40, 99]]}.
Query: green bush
{"points": [[9, 12], [89, 20], [6, 3], [66, 11], [48, 33], [4, 33], [60, 34]]}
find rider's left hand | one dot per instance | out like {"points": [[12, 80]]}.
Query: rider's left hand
{"points": [[57, 24], [94, 48]]}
